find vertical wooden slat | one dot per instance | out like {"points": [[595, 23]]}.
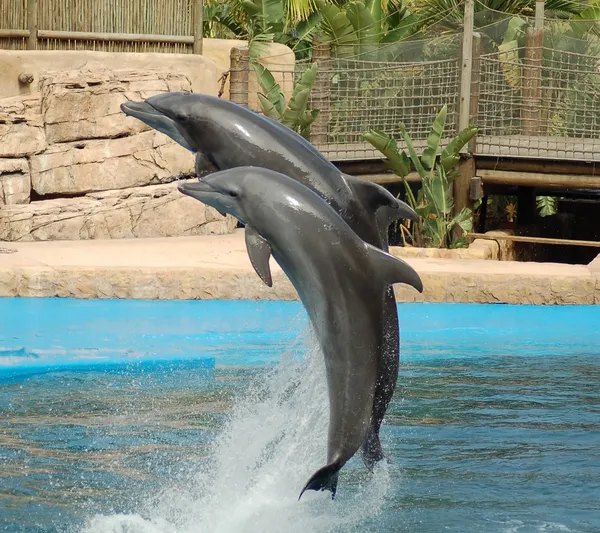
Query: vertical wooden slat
{"points": [[32, 22], [198, 18]]}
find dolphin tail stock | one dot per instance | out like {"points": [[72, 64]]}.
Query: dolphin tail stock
{"points": [[326, 478], [393, 269], [372, 450]]}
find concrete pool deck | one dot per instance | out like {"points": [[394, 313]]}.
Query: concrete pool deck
{"points": [[217, 267]]}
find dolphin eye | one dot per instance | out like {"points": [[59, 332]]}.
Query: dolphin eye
{"points": [[233, 194]]}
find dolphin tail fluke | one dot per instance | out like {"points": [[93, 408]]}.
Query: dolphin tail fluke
{"points": [[325, 478], [372, 451], [375, 197], [393, 269]]}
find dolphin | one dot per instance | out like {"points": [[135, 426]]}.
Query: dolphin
{"points": [[340, 279], [227, 135]]}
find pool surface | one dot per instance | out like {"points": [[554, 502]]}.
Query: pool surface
{"points": [[209, 416]]}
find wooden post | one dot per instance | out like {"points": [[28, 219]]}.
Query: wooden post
{"points": [[475, 83], [320, 97], [532, 81], [238, 78], [539, 14], [198, 22], [32, 22], [466, 67], [462, 190], [466, 168]]}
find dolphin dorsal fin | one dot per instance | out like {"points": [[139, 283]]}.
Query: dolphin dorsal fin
{"points": [[259, 252], [392, 270], [375, 197]]}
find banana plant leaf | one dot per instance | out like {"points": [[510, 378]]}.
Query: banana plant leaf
{"points": [[508, 51], [437, 192], [271, 89], [299, 100], [405, 27], [258, 44], [375, 9], [339, 29], [296, 108], [305, 29], [412, 152], [363, 23], [305, 122], [464, 220], [268, 108], [268, 13], [434, 139], [397, 161], [450, 154], [547, 205]]}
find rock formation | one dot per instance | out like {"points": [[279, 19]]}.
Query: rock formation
{"points": [[93, 172]]}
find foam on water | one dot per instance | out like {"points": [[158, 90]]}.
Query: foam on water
{"points": [[276, 437]]}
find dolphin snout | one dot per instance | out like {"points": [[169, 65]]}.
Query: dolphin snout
{"points": [[137, 109]]}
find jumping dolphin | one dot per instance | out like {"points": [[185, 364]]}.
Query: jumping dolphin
{"points": [[229, 135], [340, 279]]}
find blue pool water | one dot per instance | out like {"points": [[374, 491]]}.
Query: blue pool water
{"points": [[209, 416]]}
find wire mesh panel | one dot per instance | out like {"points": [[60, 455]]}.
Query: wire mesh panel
{"points": [[368, 95], [542, 100]]}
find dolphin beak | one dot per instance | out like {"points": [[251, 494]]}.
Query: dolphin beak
{"points": [[157, 120], [203, 191], [196, 187]]}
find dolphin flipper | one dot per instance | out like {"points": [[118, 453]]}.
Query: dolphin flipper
{"points": [[326, 478], [392, 269], [259, 251]]}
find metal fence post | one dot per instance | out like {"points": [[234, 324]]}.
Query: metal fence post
{"points": [[321, 93], [198, 23], [32, 23], [238, 79]]}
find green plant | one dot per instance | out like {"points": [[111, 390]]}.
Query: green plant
{"points": [[433, 203], [296, 114], [547, 205], [360, 28]]}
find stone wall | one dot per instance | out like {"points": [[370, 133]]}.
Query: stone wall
{"points": [[73, 166], [203, 71]]}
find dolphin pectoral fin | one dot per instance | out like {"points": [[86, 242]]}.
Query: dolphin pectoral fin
{"points": [[259, 251], [325, 478], [392, 269], [203, 165], [376, 197]]}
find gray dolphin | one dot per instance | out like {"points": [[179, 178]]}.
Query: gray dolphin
{"points": [[228, 135], [340, 279]]}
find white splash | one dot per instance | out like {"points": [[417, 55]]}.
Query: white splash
{"points": [[275, 439]]}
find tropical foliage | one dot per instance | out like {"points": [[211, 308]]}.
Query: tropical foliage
{"points": [[433, 202], [353, 27], [296, 114]]}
